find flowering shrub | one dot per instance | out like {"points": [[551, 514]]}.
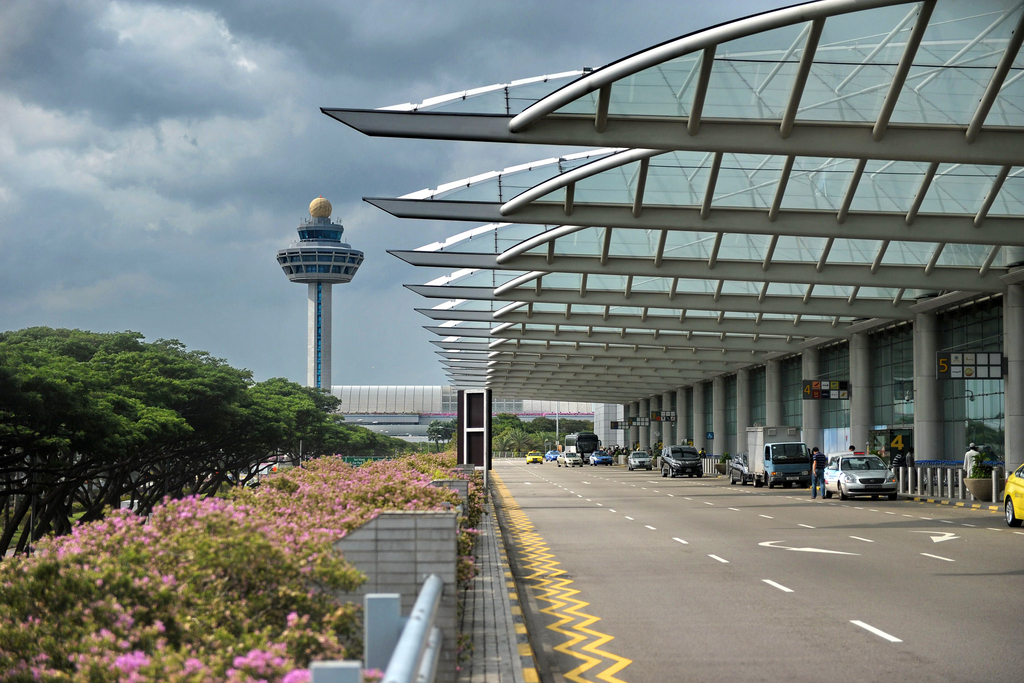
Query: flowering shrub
{"points": [[207, 590]]}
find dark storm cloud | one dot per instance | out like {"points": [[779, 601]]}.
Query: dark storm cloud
{"points": [[155, 155]]}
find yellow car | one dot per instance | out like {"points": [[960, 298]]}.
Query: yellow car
{"points": [[1013, 498], [534, 456]]}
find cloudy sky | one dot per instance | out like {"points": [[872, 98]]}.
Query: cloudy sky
{"points": [[155, 155]]}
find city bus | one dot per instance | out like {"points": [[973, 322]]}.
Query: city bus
{"points": [[583, 443]]}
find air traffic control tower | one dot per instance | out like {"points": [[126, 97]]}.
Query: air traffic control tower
{"points": [[319, 259]]}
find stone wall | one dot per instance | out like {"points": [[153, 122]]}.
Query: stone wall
{"points": [[397, 551]]}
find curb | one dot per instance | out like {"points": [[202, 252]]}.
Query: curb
{"points": [[960, 504], [527, 660]]}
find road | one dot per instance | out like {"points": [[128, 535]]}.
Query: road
{"points": [[699, 580]]}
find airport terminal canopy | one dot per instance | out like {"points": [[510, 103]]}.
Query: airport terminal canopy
{"points": [[753, 189]]}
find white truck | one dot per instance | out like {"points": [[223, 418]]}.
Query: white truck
{"points": [[775, 455]]}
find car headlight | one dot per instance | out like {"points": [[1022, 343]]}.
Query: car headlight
{"points": [[891, 479], [806, 472], [849, 479]]}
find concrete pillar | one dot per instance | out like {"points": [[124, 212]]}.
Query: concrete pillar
{"points": [[773, 394], [860, 389], [928, 441], [668, 429], [645, 432], [698, 416], [623, 435], [720, 443], [318, 335], [654, 430], [683, 415], [811, 369], [742, 408], [634, 432], [1013, 385]]}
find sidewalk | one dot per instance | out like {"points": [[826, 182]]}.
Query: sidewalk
{"points": [[492, 617], [953, 502]]}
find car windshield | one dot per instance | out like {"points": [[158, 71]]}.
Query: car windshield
{"points": [[869, 462], [639, 454], [789, 453], [685, 453]]}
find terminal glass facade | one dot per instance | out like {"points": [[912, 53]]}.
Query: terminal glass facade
{"points": [[973, 409], [758, 410], [792, 398], [730, 406], [892, 376], [834, 364], [709, 407]]}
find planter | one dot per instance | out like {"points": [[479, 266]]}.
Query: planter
{"points": [[720, 467], [981, 489]]}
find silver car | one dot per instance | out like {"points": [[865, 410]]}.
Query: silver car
{"points": [[569, 460], [859, 475], [639, 460]]}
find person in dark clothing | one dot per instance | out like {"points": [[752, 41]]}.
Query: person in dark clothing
{"points": [[818, 464]]}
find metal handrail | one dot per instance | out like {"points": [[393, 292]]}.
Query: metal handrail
{"points": [[415, 655]]}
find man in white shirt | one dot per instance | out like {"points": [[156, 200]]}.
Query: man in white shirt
{"points": [[969, 458]]}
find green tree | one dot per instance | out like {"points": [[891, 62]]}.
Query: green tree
{"points": [[520, 440], [540, 424]]}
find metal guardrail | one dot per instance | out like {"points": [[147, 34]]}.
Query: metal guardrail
{"points": [[415, 656], [412, 657]]}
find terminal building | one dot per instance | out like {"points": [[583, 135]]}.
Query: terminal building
{"points": [[810, 217], [406, 412]]}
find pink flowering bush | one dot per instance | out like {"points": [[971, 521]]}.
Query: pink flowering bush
{"points": [[206, 590]]}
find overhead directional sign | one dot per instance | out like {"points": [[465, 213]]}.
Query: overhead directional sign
{"points": [[990, 365], [817, 390], [663, 416], [938, 536], [775, 544]]}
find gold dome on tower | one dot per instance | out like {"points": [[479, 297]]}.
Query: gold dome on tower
{"points": [[320, 208]]}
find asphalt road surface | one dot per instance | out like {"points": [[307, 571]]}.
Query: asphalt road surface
{"points": [[700, 580]]}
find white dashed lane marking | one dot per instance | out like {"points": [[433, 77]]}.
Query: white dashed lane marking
{"points": [[858, 538], [629, 518], [766, 516], [778, 585], [878, 632], [650, 527], [806, 526], [680, 540], [938, 557], [716, 557]]}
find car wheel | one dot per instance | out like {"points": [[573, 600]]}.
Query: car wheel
{"points": [[700, 474], [892, 496], [629, 467], [1011, 518], [842, 493], [649, 469], [769, 482], [826, 494], [732, 479]]}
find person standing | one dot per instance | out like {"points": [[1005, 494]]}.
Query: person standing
{"points": [[818, 464], [970, 457]]}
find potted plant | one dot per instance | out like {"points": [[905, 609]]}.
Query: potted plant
{"points": [[723, 463], [979, 483]]}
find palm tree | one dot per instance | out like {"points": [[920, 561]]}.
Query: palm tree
{"points": [[520, 440], [502, 443]]}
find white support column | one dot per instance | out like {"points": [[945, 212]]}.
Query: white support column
{"points": [[655, 429], [645, 432], [319, 320], [860, 389], [718, 415], [634, 432], [928, 438], [773, 394], [683, 414], [668, 429], [812, 432], [624, 435], [698, 416], [1013, 386], [742, 408]]}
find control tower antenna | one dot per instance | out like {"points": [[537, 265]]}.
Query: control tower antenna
{"points": [[319, 259]]}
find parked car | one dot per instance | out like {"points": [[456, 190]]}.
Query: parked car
{"points": [[639, 460], [600, 458], [1013, 504], [551, 456], [569, 460], [739, 470], [534, 456], [681, 460], [859, 475]]}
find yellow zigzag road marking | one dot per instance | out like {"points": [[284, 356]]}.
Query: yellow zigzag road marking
{"points": [[552, 587]]}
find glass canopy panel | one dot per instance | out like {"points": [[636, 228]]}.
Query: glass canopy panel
{"points": [[586, 242], [888, 186], [799, 249], [559, 281], [689, 245], [613, 186], [853, 251], [586, 309], [500, 98], [876, 293], [631, 242], [973, 255], [1010, 200], [908, 253], [602, 282], [747, 180], [960, 189], [652, 284], [500, 186], [743, 247], [541, 307], [817, 183]]}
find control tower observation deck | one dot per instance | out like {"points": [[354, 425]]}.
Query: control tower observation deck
{"points": [[319, 259]]}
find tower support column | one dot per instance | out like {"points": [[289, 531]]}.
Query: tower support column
{"points": [[318, 351], [699, 431]]}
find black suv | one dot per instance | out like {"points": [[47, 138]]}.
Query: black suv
{"points": [[681, 460]]}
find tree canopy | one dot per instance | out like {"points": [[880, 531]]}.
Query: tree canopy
{"points": [[86, 418]]}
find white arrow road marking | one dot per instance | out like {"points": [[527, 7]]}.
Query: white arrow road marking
{"points": [[938, 536], [877, 632], [772, 544]]}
